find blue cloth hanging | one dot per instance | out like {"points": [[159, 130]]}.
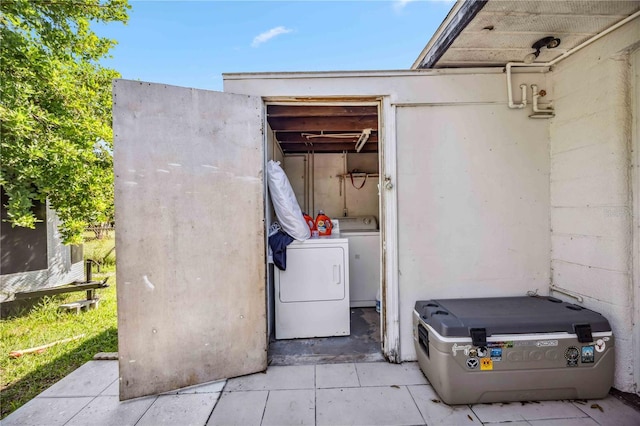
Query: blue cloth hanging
{"points": [[278, 243]]}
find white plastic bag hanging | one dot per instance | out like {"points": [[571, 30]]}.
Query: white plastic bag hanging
{"points": [[285, 203]]}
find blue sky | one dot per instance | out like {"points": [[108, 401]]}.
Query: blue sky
{"points": [[191, 43]]}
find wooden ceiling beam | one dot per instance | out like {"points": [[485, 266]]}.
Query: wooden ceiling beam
{"points": [[320, 111], [289, 148], [319, 124]]}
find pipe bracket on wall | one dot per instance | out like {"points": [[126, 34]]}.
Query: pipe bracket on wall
{"points": [[537, 111]]}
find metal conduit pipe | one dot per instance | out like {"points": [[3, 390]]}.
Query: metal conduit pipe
{"points": [[565, 55]]}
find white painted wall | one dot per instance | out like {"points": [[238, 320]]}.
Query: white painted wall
{"points": [[295, 167], [273, 152], [636, 187], [364, 201], [591, 197], [329, 190], [482, 85], [473, 179], [473, 202]]}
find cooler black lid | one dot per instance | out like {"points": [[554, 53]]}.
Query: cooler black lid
{"points": [[507, 315]]}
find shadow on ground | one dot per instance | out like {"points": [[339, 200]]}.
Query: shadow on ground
{"points": [[20, 392]]}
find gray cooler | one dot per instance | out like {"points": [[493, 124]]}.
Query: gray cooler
{"points": [[513, 349]]}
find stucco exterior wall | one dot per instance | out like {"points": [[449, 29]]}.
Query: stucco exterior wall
{"points": [[591, 197]]}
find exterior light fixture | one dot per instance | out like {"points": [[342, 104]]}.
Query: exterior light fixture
{"points": [[549, 42]]}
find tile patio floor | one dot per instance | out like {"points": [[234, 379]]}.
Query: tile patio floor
{"points": [[326, 394]]}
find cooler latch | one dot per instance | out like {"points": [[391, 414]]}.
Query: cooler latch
{"points": [[583, 331], [478, 336]]}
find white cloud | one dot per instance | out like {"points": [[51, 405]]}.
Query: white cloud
{"points": [[268, 35], [398, 5]]}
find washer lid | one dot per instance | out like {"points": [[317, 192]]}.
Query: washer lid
{"points": [[358, 223]]}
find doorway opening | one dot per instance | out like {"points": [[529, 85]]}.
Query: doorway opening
{"points": [[331, 153]]}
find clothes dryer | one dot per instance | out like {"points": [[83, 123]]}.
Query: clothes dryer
{"points": [[312, 295]]}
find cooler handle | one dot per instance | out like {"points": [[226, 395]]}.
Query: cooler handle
{"points": [[478, 336]]}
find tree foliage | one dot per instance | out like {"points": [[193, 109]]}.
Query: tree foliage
{"points": [[55, 110]]}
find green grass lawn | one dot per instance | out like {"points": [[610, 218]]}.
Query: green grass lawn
{"points": [[25, 377]]}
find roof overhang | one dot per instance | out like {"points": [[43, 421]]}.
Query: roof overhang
{"points": [[491, 33]]}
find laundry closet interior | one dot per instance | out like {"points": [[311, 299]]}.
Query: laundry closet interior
{"points": [[323, 306]]}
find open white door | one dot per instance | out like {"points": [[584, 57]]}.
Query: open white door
{"points": [[190, 236]]}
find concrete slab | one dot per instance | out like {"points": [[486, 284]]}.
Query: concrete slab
{"points": [[290, 407], [336, 376], [276, 378], [113, 389], [211, 387], [306, 395], [192, 409], [610, 411], [516, 411], [366, 406], [585, 421], [46, 411], [89, 379], [383, 373], [436, 412], [239, 408], [109, 411]]}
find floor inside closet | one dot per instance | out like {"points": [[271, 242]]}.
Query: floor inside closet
{"points": [[363, 345]]}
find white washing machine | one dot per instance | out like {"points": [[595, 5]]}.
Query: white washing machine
{"points": [[312, 295], [364, 258]]}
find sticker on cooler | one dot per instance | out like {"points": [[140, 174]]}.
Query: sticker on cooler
{"points": [[571, 355], [496, 354], [588, 355], [464, 348], [486, 364]]}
